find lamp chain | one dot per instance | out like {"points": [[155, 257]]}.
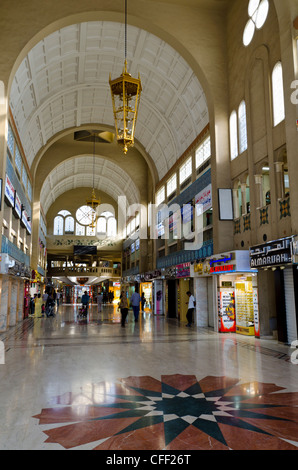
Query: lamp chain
{"points": [[93, 159], [125, 29]]}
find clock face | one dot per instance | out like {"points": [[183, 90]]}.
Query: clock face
{"points": [[84, 215]]}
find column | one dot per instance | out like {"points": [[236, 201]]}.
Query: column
{"points": [[35, 235], [259, 191], [13, 302], [20, 306], [4, 297], [280, 187], [236, 204], [243, 195]]}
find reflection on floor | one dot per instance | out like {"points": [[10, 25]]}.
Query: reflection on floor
{"points": [[71, 383]]}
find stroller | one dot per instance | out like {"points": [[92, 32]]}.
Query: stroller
{"points": [[50, 308], [83, 310]]}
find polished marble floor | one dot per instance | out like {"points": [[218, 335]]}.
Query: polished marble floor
{"points": [[69, 383]]}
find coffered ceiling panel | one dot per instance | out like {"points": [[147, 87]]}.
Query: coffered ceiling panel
{"points": [[64, 82]]}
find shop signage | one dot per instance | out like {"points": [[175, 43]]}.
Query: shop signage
{"points": [[183, 270], [9, 191], [222, 269], [18, 205], [225, 264], [275, 253]]}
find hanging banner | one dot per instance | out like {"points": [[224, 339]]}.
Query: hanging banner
{"points": [[26, 222], [9, 191], [18, 205], [203, 200]]}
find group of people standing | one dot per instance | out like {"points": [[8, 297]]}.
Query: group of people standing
{"points": [[39, 302]]}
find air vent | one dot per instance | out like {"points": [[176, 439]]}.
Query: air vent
{"points": [[99, 136]]}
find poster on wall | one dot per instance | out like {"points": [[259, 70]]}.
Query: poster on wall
{"points": [[158, 297], [226, 311]]}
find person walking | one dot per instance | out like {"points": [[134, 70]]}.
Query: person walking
{"points": [[58, 295], [85, 301], [143, 301], [123, 305], [191, 306], [99, 299], [135, 302]]}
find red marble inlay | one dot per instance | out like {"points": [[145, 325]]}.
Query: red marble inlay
{"points": [[177, 412]]}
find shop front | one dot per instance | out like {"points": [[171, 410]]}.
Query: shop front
{"points": [[146, 289], [184, 284], [276, 262], [237, 293]]}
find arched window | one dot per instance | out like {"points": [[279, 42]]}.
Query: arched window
{"points": [[107, 214], [101, 225], [112, 227], [90, 231], [278, 94], [80, 230], [64, 213], [58, 225], [257, 12], [69, 224], [233, 135], [242, 123]]}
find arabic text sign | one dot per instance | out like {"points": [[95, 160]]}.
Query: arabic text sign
{"points": [[274, 253]]}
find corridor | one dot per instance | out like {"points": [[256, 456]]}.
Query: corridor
{"points": [[89, 384]]}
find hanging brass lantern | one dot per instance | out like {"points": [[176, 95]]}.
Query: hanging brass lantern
{"points": [[126, 92], [93, 203]]}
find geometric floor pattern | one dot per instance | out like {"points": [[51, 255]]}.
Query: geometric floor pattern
{"points": [[177, 412]]}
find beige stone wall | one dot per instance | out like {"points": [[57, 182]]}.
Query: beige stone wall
{"points": [[250, 71]]}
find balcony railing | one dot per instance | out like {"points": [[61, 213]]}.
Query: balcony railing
{"points": [[83, 271]]}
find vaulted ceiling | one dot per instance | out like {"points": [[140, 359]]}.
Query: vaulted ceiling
{"points": [[63, 83], [83, 172]]}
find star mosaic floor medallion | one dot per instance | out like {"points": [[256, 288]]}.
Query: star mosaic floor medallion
{"points": [[177, 412]]}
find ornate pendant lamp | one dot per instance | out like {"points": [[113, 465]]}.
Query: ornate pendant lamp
{"points": [[93, 202], [126, 92]]}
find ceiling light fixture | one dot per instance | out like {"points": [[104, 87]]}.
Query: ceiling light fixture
{"points": [[126, 92]]}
